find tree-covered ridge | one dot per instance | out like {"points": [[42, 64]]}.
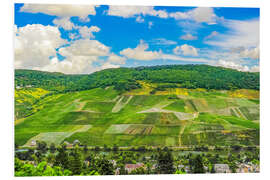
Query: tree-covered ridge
{"points": [[124, 79]]}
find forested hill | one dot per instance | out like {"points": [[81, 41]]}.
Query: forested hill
{"points": [[186, 76]]}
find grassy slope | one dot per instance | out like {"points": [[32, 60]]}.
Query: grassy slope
{"points": [[67, 112]]}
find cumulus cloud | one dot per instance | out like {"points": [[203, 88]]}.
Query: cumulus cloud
{"points": [[64, 23], [108, 65], [85, 47], [87, 32], [79, 57], [253, 53], [232, 64], [132, 11], [113, 58], [63, 10], [34, 44], [203, 14], [255, 69], [37, 47], [188, 37], [186, 50], [140, 52], [236, 65], [200, 15]]}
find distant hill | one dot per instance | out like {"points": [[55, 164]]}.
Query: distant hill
{"points": [[125, 79]]}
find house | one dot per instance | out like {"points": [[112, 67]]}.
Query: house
{"points": [[186, 168], [247, 168], [76, 141], [113, 162], [68, 145], [33, 143], [222, 168], [131, 167], [117, 171]]}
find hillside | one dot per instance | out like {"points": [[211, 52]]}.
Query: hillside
{"points": [[125, 79], [155, 112]]}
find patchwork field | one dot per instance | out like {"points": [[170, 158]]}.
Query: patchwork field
{"points": [[174, 117]]}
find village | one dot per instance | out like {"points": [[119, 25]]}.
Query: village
{"points": [[140, 161]]}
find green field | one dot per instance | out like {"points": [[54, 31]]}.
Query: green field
{"points": [[104, 116]]}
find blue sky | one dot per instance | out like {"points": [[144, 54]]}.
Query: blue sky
{"points": [[78, 39]]}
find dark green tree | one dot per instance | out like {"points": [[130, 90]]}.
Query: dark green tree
{"points": [[197, 164], [52, 148], [165, 162], [76, 162], [61, 158]]}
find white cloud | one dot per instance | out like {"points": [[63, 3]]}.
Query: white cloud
{"points": [[180, 15], [35, 48], [85, 47], [255, 69], [34, 44], [140, 52], [64, 22], [139, 19], [113, 58], [108, 65], [240, 34], [63, 10], [253, 53], [79, 57], [72, 65], [232, 65], [213, 34], [186, 50], [73, 36], [132, 11], [87, 32], [188, 37], [203, 14], [200, 15], [163, 41]]}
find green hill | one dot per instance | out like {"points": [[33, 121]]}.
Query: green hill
{"points": [[187, 105], [185, 76]]}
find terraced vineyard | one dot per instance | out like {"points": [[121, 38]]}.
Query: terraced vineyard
{"points": [[172, 117]]}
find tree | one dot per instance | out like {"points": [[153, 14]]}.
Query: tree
{"points": [[61, 158], [42, 146], [165, 162], [75, 162], [52, 148], [182, 171], [196, 164], [42, 169], [104, 166], [85, 148], [115, 148]]}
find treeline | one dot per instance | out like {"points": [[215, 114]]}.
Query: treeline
{"points": [[124, 79], [81, 160]]}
